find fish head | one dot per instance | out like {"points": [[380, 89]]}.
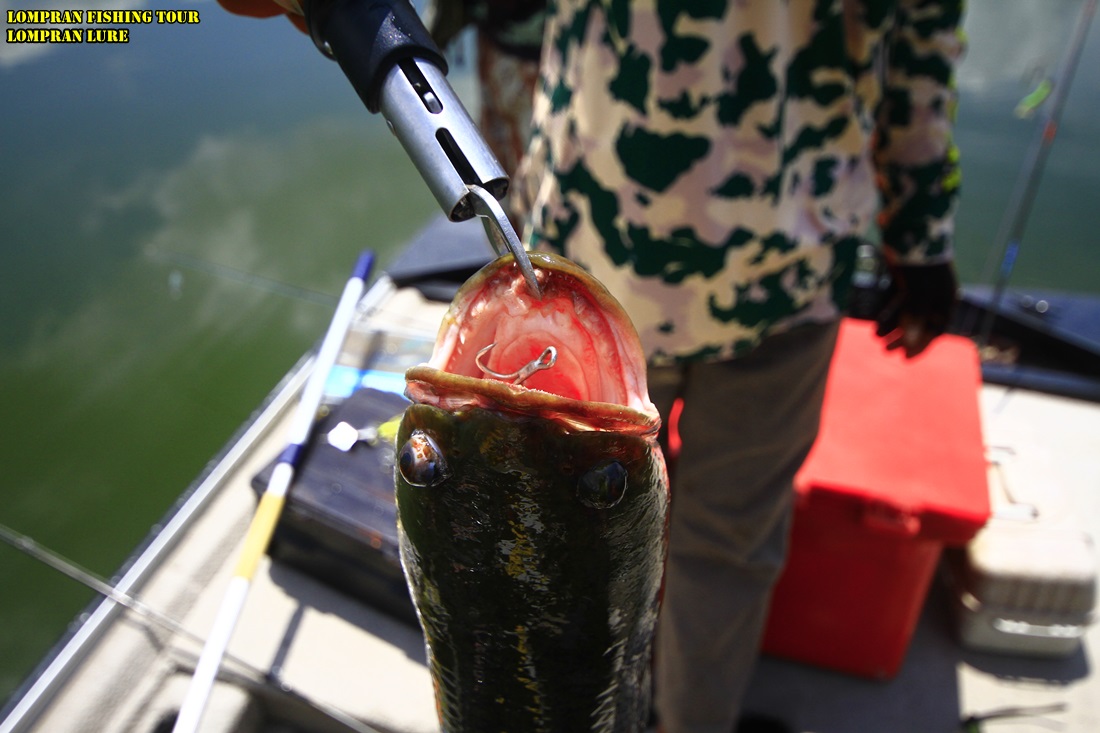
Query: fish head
{"points": [[480, 446]]}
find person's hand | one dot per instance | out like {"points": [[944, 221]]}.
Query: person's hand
{"points": [[267, 9], [918, 306]]}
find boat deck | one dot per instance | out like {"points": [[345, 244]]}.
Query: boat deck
{"points": [[314, 659], [1049, 451]]}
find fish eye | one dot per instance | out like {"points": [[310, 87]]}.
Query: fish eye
{"points": [[420, 461], [603, 486]]}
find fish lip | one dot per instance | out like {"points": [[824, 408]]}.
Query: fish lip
{"points": [[453, 392], [577, 314]]}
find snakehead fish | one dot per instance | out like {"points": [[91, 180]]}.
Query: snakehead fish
{"points": [[532, 502]]}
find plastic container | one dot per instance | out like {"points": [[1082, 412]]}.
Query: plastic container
{"points": [[898, 473], [1024, 590], [1026, 584]]}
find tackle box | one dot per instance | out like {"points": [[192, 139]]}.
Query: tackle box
{"points": [[898, 472], [339, 524], [1026, 584]]}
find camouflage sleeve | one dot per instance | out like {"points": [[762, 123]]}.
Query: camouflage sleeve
{"points": [[915, 157]]}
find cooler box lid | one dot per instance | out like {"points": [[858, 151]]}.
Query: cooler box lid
{"points": [[901, 439]]}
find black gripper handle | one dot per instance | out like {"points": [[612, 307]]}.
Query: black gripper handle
{"points": [[368, 38]]}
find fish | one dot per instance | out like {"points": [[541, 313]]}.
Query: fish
{"points": [[532, 502]]}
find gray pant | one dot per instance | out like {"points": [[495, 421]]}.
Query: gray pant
{"points": [[746, 427]]}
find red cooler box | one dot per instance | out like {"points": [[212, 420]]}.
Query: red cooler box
{"points": [[898, 472]]}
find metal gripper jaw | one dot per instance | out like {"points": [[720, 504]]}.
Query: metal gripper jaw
{"points": [[396, 68]]}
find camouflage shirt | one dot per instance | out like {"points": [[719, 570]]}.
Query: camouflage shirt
{"points": [[716, 163]]}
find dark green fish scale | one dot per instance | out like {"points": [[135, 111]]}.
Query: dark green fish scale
{"points": [[538, 606]]}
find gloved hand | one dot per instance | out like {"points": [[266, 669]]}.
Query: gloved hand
{"points": [[918, 305]]}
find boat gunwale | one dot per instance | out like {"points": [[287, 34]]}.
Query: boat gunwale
{"points": [[44, 681]]}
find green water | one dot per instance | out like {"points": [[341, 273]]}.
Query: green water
{"points": [[138, 181], [133, 181]]}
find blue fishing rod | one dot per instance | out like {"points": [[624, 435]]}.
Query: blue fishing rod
{"points": [[1012, 226], [271, 503]]}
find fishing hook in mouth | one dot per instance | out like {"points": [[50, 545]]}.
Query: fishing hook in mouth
{"points": [[545, 360]]}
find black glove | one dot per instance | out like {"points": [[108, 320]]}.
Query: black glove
{"points": [[918, 306]]}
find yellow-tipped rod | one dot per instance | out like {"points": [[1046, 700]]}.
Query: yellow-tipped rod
{"points": [[271, 503], [1011, 232]]}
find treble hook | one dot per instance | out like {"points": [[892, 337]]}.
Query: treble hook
{"points": [[545, 360]]}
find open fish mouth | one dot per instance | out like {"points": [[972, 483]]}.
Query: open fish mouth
{"points": [[572, 356]]}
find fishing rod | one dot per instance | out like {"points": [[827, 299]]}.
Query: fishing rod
{"points": [[85, 577], [88, 579], [1012, 226], [266, 284], [271, 503]]}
